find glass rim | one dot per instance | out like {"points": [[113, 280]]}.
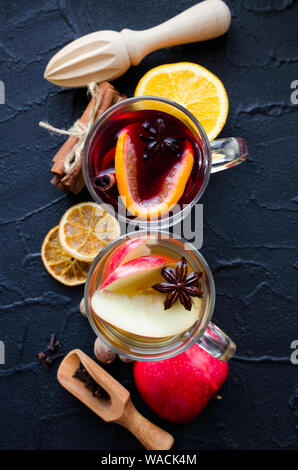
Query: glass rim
{"points": [[163, 352], [166, 221]]}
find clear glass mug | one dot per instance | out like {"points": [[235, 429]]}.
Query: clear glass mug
{"points": [[217, 155], [203, 332]]}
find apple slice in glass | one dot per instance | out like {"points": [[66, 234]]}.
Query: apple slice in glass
{"points": [[143, 313], [137, 274]]}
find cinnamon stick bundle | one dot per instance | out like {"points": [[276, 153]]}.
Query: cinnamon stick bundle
{"points": [[73, 181]]}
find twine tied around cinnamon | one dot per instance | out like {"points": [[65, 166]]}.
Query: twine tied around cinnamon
{"points": [[78, 130]]}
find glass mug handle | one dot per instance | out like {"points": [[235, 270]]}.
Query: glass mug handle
{"points": [[227, 153], [217, 343]]}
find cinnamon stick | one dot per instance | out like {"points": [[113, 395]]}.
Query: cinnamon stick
{"points": [[73, 181], [105, 179]]}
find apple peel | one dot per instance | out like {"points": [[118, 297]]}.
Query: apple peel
{"points": [[127, 251]]}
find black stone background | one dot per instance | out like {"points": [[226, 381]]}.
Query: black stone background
{"points": [[250, 230]]}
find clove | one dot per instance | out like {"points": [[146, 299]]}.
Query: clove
{"points": [[83, 375], [47, 357], [53, 344]]}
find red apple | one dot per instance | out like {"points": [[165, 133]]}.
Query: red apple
{"points": [[125, 252], [179, 388]]}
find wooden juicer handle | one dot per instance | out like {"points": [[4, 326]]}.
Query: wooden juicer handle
{"points": [[206, 20]]}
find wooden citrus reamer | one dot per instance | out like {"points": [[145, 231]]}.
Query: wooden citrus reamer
{"points": [[118, 408], [106, 55]]}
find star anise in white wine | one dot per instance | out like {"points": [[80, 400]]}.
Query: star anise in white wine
{"points": [[180, 285]]}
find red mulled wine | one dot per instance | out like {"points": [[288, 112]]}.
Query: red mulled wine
{"points": [[159, 142]]}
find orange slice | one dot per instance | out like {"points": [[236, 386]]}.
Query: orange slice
{"points": [[85, 229], [172, 186], [60, 264], [192, 86]]}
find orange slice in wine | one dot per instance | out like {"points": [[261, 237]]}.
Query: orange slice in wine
{"points": [[131, 177]]}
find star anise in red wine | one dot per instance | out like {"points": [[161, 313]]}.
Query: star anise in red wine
{"points": [[157, 141], [180, 285]]}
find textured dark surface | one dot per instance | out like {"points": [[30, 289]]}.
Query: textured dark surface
{"points": [[250, 229]]}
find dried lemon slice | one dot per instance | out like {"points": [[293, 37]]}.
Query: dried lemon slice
{"points": [[60, 264], [85, 229]]}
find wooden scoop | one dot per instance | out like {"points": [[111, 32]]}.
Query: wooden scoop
{"points": [[105, 55], [118, 408]]}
